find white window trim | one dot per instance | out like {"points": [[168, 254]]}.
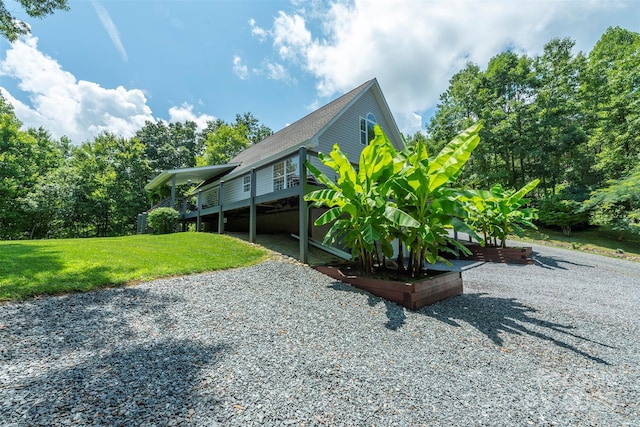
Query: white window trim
{"points": [[246, 183], [286, 174], [369, 121]]}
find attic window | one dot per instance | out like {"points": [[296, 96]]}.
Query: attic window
{"points": [[366, 128]]}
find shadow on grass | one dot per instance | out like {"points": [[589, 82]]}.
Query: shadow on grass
{"points": [[489, 315], [27, 271]]}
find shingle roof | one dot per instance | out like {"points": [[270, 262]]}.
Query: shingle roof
{"points": [[298, 132]]}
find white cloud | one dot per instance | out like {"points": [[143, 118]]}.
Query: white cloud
{"points": [[414, 47], [259, 32], [185, 113], [111, 29], [239, 69], [78, 109], [276, 71]]}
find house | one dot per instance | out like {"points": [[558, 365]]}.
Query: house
{"points": [[262, 189]]}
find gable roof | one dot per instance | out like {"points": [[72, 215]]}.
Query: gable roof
{"points": [[299, 132]]}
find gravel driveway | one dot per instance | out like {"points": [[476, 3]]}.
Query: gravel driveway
{"points": [[555, 343]]}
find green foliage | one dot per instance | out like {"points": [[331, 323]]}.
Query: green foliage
{"points": [[360, 209], [171, 146], [403, 195], [611, 93], [163, 220], [497, 213], [617, 206], [31, 268], [422, 189], [563, 213], [50, 189], [223, 144], [11, 28], [569, 119]]}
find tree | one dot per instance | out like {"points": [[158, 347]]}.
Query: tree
{"points": [[24, 158], [12, 28], [458, 107], [223, 144], [108, 178], [617, 206], [611, 91], [254, 130], [556, 153], [171, 146]]}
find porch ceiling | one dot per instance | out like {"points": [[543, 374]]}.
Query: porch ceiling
{"points": [[195, 175]]}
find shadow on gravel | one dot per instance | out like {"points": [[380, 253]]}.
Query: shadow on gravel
{"points": [[142, 384], [494, 316], [489, 315], [101, 358], [50, 326], [395, 313], [554, 263]]}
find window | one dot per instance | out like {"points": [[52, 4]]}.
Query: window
{"points": [[366, 128], [285, 174], [246, 183]]}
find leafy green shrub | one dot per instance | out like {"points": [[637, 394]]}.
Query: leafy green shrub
{"points": [[163, 220], [618, 205], [497, 213], [562, 213]]}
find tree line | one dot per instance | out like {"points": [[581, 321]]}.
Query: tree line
{"points": [[570, 120], [50, 188]]}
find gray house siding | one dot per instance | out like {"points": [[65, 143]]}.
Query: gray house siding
{"points": [[264, 180], [345, 131], [313, 159]]}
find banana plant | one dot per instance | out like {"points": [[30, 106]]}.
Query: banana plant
{"points": [[422, 189], [404, 195], [359, 203], [497, 213]]}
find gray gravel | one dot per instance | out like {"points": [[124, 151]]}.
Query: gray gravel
{"points": [[555, 343]]}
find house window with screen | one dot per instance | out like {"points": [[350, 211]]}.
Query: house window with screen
{"points": [[366, 128], [246, 183], [285, 174]]}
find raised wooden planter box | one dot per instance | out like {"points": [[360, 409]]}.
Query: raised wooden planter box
{"points": [[414, 295], [509, 255]]}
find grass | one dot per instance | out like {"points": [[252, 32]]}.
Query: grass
{"points": [[601, 242], [38, 267]]}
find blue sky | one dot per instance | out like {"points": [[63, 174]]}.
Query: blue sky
{"points": [[112, 64]]}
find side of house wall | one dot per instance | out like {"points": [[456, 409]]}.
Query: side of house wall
{"points": [[264, 180], [330, 173], [345, 131], [234, 191]]}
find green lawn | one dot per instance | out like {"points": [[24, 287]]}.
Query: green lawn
{"points": [[595, 241], [36, 267]]}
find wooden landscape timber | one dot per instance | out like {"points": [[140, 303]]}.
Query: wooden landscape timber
{"points": [[412, 295]]}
